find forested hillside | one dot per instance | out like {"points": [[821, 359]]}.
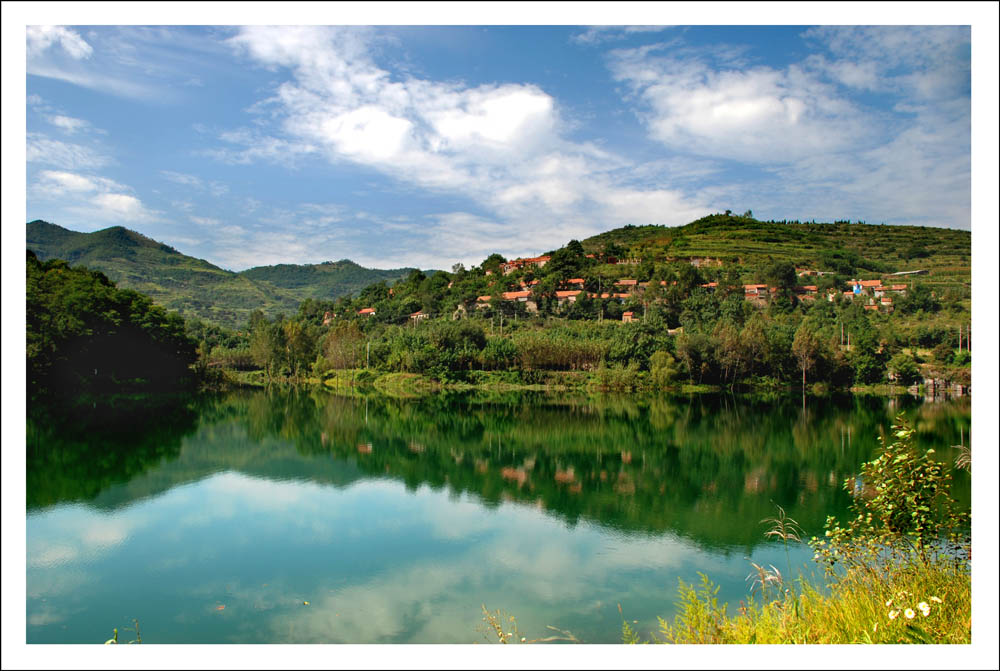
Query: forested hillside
{"points": [[192, 286]]}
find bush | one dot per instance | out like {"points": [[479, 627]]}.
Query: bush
{"points": [[905, 369], [663, 368]]}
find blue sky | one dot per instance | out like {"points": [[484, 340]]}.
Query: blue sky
{"points": [[432, 145]]}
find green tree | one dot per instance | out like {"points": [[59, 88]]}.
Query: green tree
{"points": [[807, 350]]}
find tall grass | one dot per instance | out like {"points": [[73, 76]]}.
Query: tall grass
{"points": [[898, 572]]}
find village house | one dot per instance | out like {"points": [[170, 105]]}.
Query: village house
{"points": [[366, 311], [521, 297], [419, 315], [627, 317], [567, 296], [511, 266]]}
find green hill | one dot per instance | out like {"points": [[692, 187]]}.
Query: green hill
{"points": [[325, 281], [193, 287], [841, 246]]}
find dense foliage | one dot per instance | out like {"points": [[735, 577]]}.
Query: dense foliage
{"points": [[86, 335]]}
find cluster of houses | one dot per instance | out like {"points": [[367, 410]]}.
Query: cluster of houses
{"points": [[874, 294]]}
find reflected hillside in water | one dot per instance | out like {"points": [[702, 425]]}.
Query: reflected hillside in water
{"points": [[707, 468]]}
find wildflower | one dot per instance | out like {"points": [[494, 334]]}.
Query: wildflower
{"points": [[523, 639], [893, 614], [888, 603], [909, 614], [924, 608], [935, 599]]}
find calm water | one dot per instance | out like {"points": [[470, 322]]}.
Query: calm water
{"points": [[213, 520]]}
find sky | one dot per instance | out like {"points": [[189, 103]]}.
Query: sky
{"points": [[433, 145]]}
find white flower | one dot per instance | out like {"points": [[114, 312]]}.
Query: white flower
{"points": [[888, 603], [893, 614], [924, 608], [935, 599], [909, 614]]}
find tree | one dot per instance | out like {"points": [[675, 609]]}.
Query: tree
{"points": [[780, 274], [806, 348], [904, 368]]}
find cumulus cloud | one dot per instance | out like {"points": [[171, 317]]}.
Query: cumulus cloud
{"points": [[91, 197], [501, 145], [820, 150], [757, 114]]}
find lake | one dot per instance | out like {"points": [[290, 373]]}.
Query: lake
{"points": [[302, 516]]}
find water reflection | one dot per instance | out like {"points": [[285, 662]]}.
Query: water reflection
{"points": [[708, 467], [395, 519]]}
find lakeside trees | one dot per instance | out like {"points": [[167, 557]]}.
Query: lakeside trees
{"points": [[85, 335]]}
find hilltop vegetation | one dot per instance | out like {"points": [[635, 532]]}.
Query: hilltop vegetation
{"points": [[194, 287]]}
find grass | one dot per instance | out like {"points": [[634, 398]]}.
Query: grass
{"points": [[917, 603]]}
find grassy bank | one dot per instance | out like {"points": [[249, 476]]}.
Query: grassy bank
{"points": [[914, 603]]}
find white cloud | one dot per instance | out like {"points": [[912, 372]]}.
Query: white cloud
{"points": [[500, 145], [757, 115], [819, 151], [89, 197], [67, 123], [44, 150], [120, 206], [56, 183], [40, 38]]}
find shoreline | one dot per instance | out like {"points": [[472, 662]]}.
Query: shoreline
{"points": [[416, 385]]}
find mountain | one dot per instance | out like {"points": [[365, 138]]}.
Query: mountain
{"points": [[193, 286], [328, 280]]}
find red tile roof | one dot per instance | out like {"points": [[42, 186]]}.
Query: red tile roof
{"points": [[569, 293], [366, 311], [626, 283], [575, 280], [483, 299], [514, 295]]}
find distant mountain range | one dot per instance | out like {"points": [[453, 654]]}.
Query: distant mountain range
{"points": [[195, 287]]}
